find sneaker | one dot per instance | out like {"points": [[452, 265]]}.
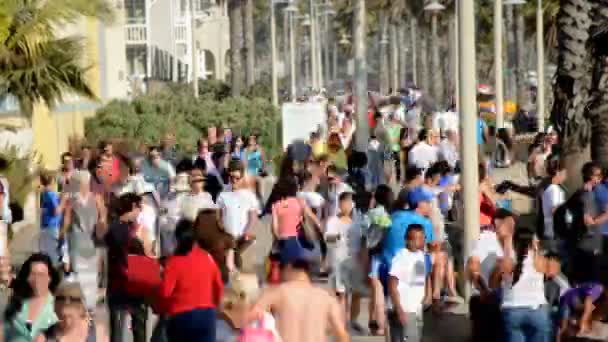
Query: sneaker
{"points": [[357, 328]]}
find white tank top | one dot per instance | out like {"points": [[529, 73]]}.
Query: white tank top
{"points": [[529, 291]]}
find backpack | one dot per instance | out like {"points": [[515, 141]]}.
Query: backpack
{"points": [[564, 222], [374, 238], [256, 334]]}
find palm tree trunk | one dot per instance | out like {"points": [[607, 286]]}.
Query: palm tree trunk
{"points": [[249, 46], [236, 43], [522, 68], [511, 85], [598, 108], [384, 79], [423, 62], [573, 77]]}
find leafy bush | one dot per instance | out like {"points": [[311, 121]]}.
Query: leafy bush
{"points": [[20, 176], [145, 119]]}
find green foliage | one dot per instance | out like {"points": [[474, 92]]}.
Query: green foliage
{"points": [[18, 173], [213, 89], [36, 62], [147, 118]]}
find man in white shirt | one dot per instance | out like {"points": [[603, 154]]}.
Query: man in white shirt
{"points": [[448, 148], [425, 153], [489, 249], [406, 285], [239, 209]]}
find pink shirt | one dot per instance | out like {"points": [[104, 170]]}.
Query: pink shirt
{"points": [[289, 214]]}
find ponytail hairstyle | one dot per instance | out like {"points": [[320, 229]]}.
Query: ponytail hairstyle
{"points": [[522, 244]]}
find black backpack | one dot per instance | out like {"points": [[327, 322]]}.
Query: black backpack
{"points": [[569, 229]]}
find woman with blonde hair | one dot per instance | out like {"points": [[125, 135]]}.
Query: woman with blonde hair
{"points": [[237, 302], [74, 323], [84, 225]]}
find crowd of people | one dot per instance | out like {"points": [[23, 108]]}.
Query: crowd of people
{"points": [[167, 232]]}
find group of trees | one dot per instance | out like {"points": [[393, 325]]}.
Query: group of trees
{"points": [[242, 44]]}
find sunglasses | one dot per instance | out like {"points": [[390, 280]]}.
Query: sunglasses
{"points": [[235, 178], [68, 299], [197, 180]]}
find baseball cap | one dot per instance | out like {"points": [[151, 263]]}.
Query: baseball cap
{"points": [[419, 194], [292, 253]]}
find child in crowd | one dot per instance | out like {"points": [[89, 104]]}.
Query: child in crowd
{"points": [[237, 303], [556, 285], [578, 308], [406, 285], [344, 240], [51, 206]]}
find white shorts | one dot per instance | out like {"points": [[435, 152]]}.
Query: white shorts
{"points": [[348, 275]]}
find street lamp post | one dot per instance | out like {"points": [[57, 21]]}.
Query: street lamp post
{"points": [[194, 49], [468, 124], [313, 45], [291, 10], [540, 68], [435, 7], [360, 87], [273, 52], [498, 76]]}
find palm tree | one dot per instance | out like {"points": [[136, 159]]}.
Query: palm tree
{"points": [[236, 43], [249, 46], [37, 65], [573, 83]]}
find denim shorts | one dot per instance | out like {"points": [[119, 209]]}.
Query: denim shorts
{"points": [[376, 262]]}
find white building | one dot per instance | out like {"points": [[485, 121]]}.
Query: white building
{"points": [[159, 41]]}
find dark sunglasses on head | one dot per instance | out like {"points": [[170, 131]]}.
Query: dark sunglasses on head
{"points": [[68, 299]]}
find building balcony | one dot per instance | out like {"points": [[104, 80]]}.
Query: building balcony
{"points": [[181, 33], [136, 34]]}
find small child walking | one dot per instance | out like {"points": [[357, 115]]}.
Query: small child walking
{"points": [[406, 285], [51, 206]]}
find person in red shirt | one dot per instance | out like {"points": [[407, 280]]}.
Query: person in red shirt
{"points": [[191, 290]]}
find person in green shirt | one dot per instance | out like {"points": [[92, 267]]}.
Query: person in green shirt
{"points": [[31, 310], [393, 133]]}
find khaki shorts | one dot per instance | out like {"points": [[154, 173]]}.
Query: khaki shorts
{"points": [[348, 276]]}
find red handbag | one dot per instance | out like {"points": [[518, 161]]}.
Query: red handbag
{"points": [[143, 276]]}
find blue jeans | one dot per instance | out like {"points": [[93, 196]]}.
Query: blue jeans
{"points": [[526, 324], [194, 326]]}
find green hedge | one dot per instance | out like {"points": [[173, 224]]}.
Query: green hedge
{"points": [[145, 119]]}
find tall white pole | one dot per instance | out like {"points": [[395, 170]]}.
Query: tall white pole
{"points": [[540, 68], [360, 88], [498, 87], [456, 59], [319, 50], [194, 49], [273, 56], [292, 56], [468, 125], [414, 46], [313, 46]]}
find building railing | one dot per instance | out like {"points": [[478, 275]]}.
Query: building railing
{"points": [[181, 33], [136, 34]]}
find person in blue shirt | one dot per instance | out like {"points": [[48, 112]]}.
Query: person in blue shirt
{"points": [[51, 206], [420, 202]]}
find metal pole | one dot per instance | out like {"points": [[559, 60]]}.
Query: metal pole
{"points": [[319, 57], [292, 57], [194, 48], [498, 63], [540, 68], [413, 43], [326, 60], [360, 89], [437, 81], [273, 55], [313, 46], [456, 61], [468, 126]]}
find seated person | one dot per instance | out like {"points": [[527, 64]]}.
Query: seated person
{"points": [[579, 306]]}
